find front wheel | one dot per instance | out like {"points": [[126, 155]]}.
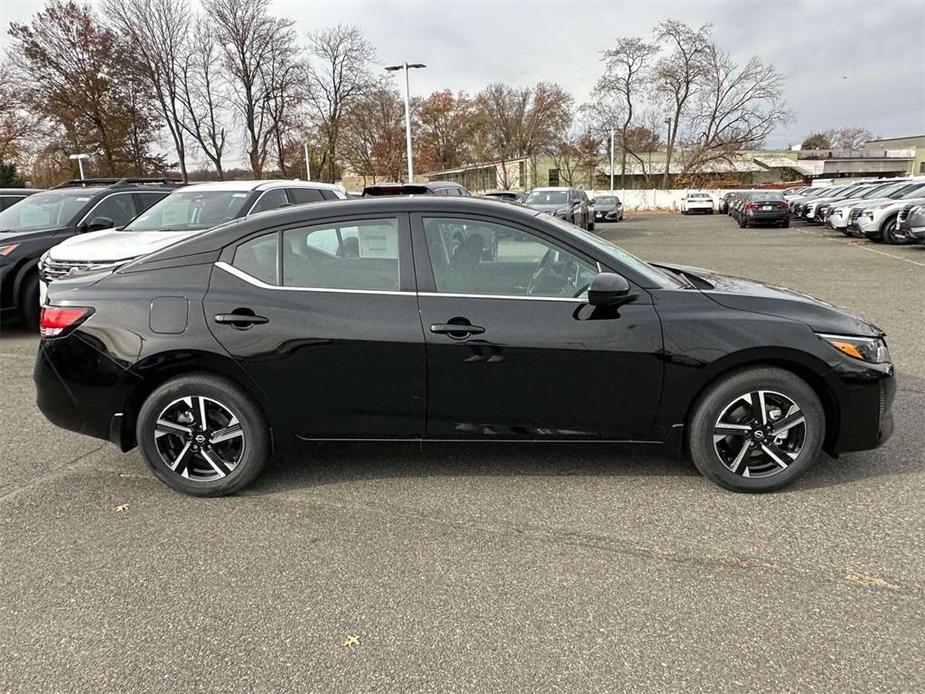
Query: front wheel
{"points": [[29, 308], [756, 430], [203, 435], [892, 234]]}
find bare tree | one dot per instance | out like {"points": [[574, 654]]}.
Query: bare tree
{"points": [[851, 138], [157, 33], [521, 122], [250, 38], [737, 109], [18, 123], [374, 133], [678, 73], [203, 94], [285, 78], [626, 70], [338, 73]]}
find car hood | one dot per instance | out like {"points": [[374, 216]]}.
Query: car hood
{"points": [[20, 236], [760, 297], [111, 245]]}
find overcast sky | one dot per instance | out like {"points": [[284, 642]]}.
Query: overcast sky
{"points": [[846, 62]]}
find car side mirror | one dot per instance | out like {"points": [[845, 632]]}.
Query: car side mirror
{"points": [[608, 288], [100, 223]]}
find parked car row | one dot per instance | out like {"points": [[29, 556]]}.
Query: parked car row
{"points": [[757, 208], [868, 209]]}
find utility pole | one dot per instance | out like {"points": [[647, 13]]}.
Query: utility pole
{"points": [[407, 66], [611, 159], [308, 166]]}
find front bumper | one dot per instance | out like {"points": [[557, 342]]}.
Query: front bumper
{"points": [[608, 216], [864, 395]]}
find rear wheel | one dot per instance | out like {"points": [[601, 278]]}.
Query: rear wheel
{"points": [[29, 308], [203, 435], [756, 430], [743, 223]]}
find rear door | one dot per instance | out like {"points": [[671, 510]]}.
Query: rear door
{"points": [[324, 317], [513, 349]]}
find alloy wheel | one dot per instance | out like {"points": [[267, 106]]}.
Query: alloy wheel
{"points": [[759, 434], [199, 438]]}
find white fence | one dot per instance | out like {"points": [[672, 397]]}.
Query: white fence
{"points": [[656, 199]]}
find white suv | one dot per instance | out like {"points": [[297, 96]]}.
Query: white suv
{"points": [[185, 212]]}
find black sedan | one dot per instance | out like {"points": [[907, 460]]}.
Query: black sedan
{"points": [[607, 208], [362, 320], [763, 207]]}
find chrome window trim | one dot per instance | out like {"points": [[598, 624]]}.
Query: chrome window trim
{"points": [[574, 300], [250, 279]]}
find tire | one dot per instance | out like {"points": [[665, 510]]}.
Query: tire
{"points": [[237, 460], [785, 224], [29, 309], [590, 226], [888, 233], [725, 462], [743, 223]]}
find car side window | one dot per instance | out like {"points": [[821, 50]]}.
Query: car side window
{"points": [[144, 200], [270, 200], [119, 208], [329, 195], [361, 254], [302, 196], [259, 258], [471, 256]]}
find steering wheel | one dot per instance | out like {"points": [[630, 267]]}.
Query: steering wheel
{"points": [[541, 270]]}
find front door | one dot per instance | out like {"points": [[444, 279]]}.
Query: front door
{"points": [[513, 348], [325, 319]]}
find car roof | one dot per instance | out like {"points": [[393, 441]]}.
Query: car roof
{"points": [[20, 191], [265, 184], [552, 188]]}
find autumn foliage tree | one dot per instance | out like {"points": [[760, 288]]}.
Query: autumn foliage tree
{"points": [[74, 71]]}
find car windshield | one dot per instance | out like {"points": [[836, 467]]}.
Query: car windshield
{"points": [[190, 210], [604, 200], [55, 208], [913, 191], [547, 197], [657, 277]]}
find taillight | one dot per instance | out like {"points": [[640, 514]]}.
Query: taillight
{"points": [[751, 206], [58, 320], [783, 205]]}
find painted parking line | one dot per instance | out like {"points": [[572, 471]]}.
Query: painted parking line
{"points": [[860, 244]]}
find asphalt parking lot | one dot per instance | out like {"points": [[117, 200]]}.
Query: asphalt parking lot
{"points": [[480, 568]]}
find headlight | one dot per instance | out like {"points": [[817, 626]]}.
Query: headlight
{"points": [[6, 250], [869, 349], [868, 213]]}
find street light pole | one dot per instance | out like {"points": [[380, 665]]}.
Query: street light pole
{"points": [[667, 153], [407, 66], [80, 162], [611, 160], [308, 166]]}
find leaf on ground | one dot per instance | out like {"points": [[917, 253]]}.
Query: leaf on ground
{"points": [[121, 507], [351, 640]]}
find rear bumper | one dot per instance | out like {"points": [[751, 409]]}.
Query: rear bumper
{"points": [[81, 389]]}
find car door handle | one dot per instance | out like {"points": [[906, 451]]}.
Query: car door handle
{"points": [[241, 320], [456, 330]]}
